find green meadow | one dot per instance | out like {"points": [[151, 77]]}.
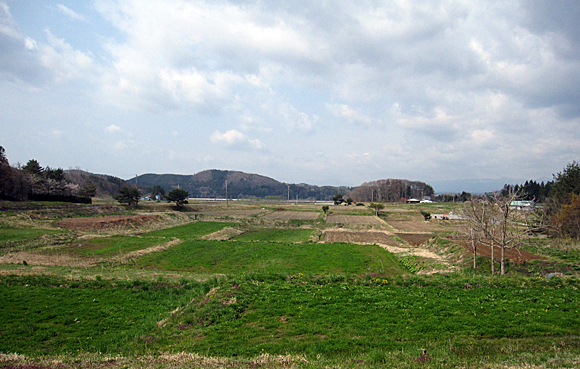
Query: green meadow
{"points": [[271, 296]]}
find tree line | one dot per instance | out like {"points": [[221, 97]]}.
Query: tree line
{"points": [[33, 182]]}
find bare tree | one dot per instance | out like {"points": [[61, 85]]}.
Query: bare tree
{"points": [[494, 221]]}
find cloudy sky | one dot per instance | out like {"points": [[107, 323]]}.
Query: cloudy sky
{"points": [[323, 92]]}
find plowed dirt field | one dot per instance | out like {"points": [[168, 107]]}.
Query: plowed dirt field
{"points": [[302, 215], [514, 255], [110, 221], [413, 225], [353, 219], [370, 237], [414, 239]]}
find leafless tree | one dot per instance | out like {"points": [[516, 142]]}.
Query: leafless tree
{"points": [[493, 221]]}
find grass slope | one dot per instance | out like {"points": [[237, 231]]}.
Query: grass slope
{"points": [[227, 257]]}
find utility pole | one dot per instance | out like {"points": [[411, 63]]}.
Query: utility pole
{"points": [[288, 193], [227, 203]]}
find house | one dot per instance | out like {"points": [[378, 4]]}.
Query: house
{"points": [[523, 205], [413, 201]]}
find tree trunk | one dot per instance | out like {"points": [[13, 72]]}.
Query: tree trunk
{"points": [[474, 245], [492, 259], [502, 259]]}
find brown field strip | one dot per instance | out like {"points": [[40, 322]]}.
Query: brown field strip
{"points": [[514, 255], [333, 236], [301, 215], [353, 219], [414, 239], [110, 221], [414, 225], [233, 212]]}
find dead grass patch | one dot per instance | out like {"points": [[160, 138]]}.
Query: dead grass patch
{"points": [[414, 225], [224, 234], [287, 215], [111, 221], [365, 237], [353, 219]]}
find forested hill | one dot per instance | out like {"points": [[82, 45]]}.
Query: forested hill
{"points": [[391, 190], [212, 184]]}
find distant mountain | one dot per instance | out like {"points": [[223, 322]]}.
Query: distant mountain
{"points": [[478, 186], [212, 184], [106, 185]]}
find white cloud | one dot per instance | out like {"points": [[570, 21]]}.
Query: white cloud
{"points": [[71, 13], [236, 139], [345, 112], [113, 129], [473, 81]]}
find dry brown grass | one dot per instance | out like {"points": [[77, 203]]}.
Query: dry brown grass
{"points": [[162, 360], [287, 215], [364, 237], [353, 219], [224, 234], [414, 225]]}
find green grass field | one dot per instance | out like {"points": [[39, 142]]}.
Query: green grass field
{"points": [[115, 245], [191, 230], [271, 297], [8, 234], [277, 235], [227, 257]]}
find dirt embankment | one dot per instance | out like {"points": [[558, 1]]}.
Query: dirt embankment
{"points": [[111, 221], [514, 255], [367, 237]]}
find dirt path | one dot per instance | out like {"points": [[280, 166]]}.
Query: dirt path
{"points": [[138, 253], [37, 258]]}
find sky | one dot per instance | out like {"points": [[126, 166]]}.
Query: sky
{"points": [[321, 92]]}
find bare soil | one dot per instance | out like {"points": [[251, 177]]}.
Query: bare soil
{"points": [[414, 239], [353, 219], [234, 212], [514, 255], [369, 237], [111, 221], [287, 215], [414, 225]]}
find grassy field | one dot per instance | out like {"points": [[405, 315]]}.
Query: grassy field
{"points": [[277, 235], [221, 257], [271, 295]]}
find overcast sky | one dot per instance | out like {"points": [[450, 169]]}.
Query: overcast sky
{"points": [[324, 92]]}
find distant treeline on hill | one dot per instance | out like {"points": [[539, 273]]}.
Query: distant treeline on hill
{"points": [[531, 190], [214, 184], [391, 190], [34, 182]]}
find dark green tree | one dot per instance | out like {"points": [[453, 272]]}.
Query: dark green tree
{"points": [[178, 196], [377, 206], [33, 167], [337, 199], [88, 190], [157, 190], [3, 159], [129, 196], [325, 208], [567, 182]]}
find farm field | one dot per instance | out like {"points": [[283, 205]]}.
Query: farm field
{"points": [[288, 214], [249, 285], [415, 226], [353, 219], [365, 237]]}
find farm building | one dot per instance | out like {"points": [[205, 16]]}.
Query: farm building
{"points": [[523, 205]]}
